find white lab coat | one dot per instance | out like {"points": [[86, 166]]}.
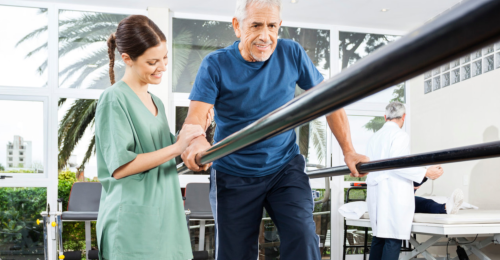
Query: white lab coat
{"points": [[391, 199]]}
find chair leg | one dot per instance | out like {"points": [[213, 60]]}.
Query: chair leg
{"points": [[201, 245], [88, 236], [345, 239], [366, 244]]}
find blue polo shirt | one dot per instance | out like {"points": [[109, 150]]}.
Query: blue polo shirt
{"points": [[243, 92]]}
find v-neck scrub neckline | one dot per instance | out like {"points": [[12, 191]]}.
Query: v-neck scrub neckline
{"points": [[141, 216], [139, 99]]}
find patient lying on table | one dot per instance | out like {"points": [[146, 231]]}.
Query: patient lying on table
{"points": [[423, 205]]}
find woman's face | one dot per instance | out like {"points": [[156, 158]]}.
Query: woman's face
{"points": [[150, 66]]}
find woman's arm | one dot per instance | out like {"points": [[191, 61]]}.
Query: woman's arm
{"points": [[146, 161]]}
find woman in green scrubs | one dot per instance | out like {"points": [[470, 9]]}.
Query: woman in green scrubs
{"points": [[141, 214]]}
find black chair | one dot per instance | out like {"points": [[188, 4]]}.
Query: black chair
{"points": [[83, 205], [197, 207]]}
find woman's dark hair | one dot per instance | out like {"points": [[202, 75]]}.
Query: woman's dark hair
{"points": [[134, 35]]}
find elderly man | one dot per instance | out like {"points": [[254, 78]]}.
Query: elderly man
{"points": [[391, 199], [245, 82]]}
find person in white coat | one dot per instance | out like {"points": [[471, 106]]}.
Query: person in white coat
{"points": [[391, 199]]}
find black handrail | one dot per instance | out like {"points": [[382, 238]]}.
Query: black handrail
{"points": [[467, 27], [460, 154]]}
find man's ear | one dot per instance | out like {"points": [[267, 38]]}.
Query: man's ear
{"points": [[385, 117], [236, 27], [128, 61], [403, 117]]}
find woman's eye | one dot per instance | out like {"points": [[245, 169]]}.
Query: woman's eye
{"points": [[152, 64]]}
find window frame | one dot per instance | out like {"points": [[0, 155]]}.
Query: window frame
{"points": [[50, 96]]}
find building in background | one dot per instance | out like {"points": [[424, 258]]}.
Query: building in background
{"points": [[19, 153]]}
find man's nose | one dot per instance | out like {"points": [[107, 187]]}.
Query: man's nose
{"points": [[264, 35]]}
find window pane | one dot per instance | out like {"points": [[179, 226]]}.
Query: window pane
{"points": [[436, 71], [21, 131], [194, 39], [497, 46], [476, 54], [455, 63], [455, 76], [427, 86], [436, 83], [355, 46], [445, 79], [24, 45], [488, 50], [445, 67], [77, 116], [83, 52], [428, 74], [362, 129], [465, 59], [477, 67], [488, 63], [465, 71], [498, 59], [21, 237]]}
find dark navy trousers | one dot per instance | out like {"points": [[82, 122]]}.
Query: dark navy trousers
{"points": [[428, 206], [238, 202], [385, 248]]}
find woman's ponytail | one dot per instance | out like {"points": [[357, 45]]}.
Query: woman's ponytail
{"points": [[111, 54]]}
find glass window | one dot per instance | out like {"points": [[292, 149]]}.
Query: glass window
{"points": [[488, 63], [428, 74], [445, 67], [488, 50], [455, 63], [427, 86], [455, 76], [362, 129], [476, 55], [77, 152], [436, 71], [355, 46], [25, 47], [83, 52], [498, 59], [497, 46], [477, 68], [21, 237], [465, 59], [22, 129], [436, 83], [465, 71], [194, 39], [445, 79]]}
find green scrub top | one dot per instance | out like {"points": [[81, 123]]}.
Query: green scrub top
{"points": [[140, 216]]}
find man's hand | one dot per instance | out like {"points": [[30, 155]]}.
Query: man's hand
{"points": [[198, 145], [352, 159], [434, 172], [416, 188]]}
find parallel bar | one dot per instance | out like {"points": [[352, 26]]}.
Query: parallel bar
{"points": [[460, 154], [467, 27]]}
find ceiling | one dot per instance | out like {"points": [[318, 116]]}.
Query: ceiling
{"points": [[402, 15]]}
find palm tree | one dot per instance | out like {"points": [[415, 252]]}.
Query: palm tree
{"points": [[79, 31]]}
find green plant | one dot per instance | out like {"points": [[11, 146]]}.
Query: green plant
{"points": [[1, 167]]}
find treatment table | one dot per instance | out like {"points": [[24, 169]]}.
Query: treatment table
{"points": [[467, 223]]}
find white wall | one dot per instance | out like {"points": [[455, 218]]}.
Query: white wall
{"points": [[462, 114]]}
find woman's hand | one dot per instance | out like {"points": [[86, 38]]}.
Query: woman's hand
{"points": [[210, 118], [186, 135]]}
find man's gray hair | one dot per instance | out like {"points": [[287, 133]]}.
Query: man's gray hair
{"points": [[395, 110], [241, 7]]}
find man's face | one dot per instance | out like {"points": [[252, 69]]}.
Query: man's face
{"points": [[258, 33]]}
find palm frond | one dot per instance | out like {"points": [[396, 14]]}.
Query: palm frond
{"points": [[74, 124], [88, 154], [32, 35], [181, 50], [318, 135]]}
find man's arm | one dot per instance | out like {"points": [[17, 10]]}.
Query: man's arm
{"points": [[197, 115], [340, 128]]}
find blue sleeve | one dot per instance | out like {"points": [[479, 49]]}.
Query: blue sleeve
{"points": [[309, 76], [206, 84]]}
